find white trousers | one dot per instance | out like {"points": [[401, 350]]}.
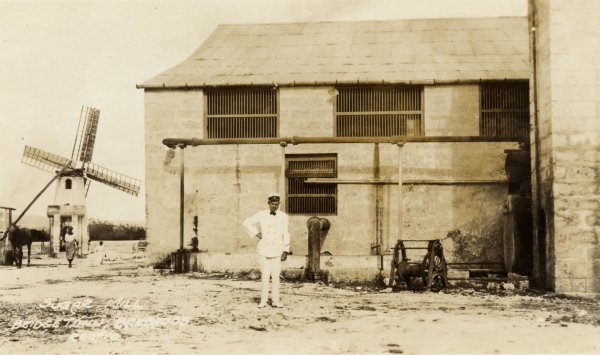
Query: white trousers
{"points": [[270, 268]]}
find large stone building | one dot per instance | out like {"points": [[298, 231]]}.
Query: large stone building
{"points": [[435, 77], [446, 77]]}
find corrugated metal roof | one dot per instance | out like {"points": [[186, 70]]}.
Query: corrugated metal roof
{"points": [[426, 50]]}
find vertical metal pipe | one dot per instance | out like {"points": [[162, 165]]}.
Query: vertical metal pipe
{"points": [[282, 191], [539, 239], [314, 252], [400, 158], [377, 188], [181, 196]]}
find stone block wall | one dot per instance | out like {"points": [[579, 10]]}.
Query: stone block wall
{"points": [[452, 110], [168, 114], [228, 183], [306, 111], [568, 80]]}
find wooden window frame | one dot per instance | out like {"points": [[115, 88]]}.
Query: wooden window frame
{"points": [[311, 157], [486, 111], [363, 101], [208, 116]]}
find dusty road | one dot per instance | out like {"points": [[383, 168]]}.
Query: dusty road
{"points": [[126, 307]]}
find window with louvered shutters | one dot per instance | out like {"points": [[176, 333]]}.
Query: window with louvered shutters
{"points": [[379, 111], [311, 198], [504, 109], [241, 113]]}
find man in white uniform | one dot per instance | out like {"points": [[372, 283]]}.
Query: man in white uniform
{"points": [[271, 228]]}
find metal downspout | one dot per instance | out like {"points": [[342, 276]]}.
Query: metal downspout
{"points": [[181, 195], [538, 257]]}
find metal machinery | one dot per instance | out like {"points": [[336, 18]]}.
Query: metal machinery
{"points": [[518, 229], [317, 231], [433, 270]]}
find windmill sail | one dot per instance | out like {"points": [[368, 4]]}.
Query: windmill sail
{"points": [[86, 134], [44, 160], [112, 178]]}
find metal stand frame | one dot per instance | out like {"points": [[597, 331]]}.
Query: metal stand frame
{"points": [[433, 270]]}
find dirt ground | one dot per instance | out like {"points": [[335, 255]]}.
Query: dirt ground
{"points": [[127, 307]]}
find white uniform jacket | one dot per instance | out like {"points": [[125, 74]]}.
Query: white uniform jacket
{"points": [[274, 228]]}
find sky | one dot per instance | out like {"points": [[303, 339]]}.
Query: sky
{"points": [[56, 56]]}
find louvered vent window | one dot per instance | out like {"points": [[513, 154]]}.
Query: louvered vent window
{"points": [[379, 111], [309, 198], [241, 113], [505, 109]]}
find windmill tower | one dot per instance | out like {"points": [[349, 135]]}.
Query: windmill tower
{"points": [[73, 178]]}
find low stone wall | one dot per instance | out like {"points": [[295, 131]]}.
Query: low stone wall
{"points": [[119, 246], [336, 269]]}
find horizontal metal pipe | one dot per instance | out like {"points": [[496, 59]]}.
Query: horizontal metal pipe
{"points": [[183, 142], [404, 182], [490, 270], [478, 278], [475, 270], [475, 263]]}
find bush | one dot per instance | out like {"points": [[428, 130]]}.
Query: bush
{"points": [[104, 230]]}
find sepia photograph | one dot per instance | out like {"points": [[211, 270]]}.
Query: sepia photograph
{"points": [[300, 177]]}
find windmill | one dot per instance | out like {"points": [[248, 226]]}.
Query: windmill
{"points": [[73, 178]]}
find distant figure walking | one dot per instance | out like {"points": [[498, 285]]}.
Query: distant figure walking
{"points": [[100, 253], [71, 245]]}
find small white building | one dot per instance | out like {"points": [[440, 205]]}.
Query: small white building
{"points": [[69, 210]]}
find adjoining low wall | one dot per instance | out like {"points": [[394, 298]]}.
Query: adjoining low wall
{"points": [[338, 269], [343, 269]]}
